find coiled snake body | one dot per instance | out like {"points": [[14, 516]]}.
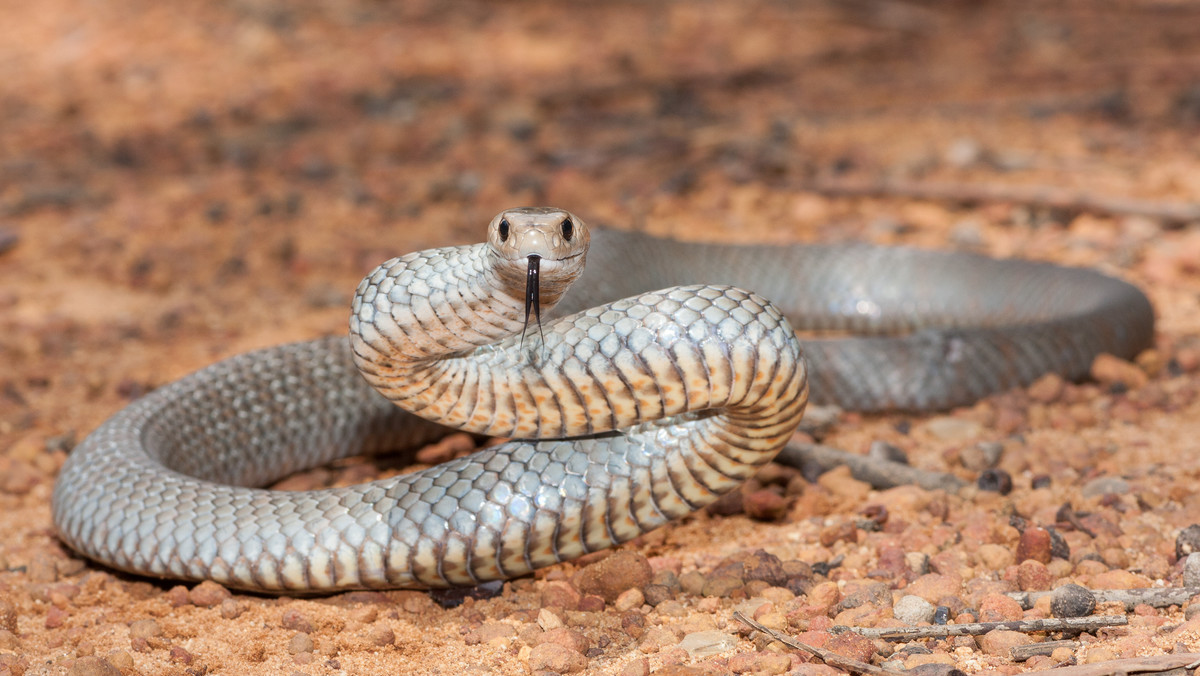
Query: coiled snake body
{"points": [[626, 415]]}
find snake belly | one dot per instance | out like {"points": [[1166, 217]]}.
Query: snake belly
{"points": [[665, 400]]}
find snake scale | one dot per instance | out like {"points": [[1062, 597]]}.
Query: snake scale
{"points": [[646, 397]]}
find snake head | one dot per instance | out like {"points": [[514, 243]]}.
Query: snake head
{"points": [[537, 252]]}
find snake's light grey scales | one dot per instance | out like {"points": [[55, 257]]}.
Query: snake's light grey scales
{"points": [[630, 414]]}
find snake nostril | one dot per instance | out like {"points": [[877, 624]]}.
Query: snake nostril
{"points": [[503, 229], [568, 228]]}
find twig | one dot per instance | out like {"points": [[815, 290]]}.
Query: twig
{"points": [[1020, 653], [1157, 597], [1074, 624], [878, 472], [829, 657], [1133, 665], [1036, 196]]}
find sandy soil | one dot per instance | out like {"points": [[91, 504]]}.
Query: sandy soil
{"points": [[180, 182]]}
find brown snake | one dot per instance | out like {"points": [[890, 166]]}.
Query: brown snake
{"points": [[626, 415]]}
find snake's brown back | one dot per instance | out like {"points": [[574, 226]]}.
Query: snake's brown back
{"points": [[160, 488]]}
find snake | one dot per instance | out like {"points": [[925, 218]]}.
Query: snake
{"points": [[659, 378]]}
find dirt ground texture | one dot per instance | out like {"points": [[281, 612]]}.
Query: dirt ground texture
{"points": [[181, 182]]}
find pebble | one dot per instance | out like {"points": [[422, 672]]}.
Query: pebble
{"points": [[548, 619], [611, 576], [947, 428], [852, 645], [567, 638], [994, 557], [560, 594], [705, 643], [208, 594], [692, 582], [935, 586], [999, 608], [1000, 642], [144, 629], [655, 639], [1035, 544], [1109, 370], [300, 643], [913, 610], [765, 505], [759, 663], [995, 481], [1188, 541], [633, 624], [1033, 576], [381, 635], [1191, 575], [636, 667], [1103, 486], [230, 609], [1047, 389], [721, 586], [180, 655], [93, 666], [981, 456], [296, 621], [9, 641], [629, 599], [1072, 600], [488, 632]]}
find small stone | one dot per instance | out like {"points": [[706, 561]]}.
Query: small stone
{"points": [[692, 582], [180, 655], [488, 632], [208, 594], [633, 624], [994, 557], [629, 599], [177, 596], [548, 620], [590, 603], [721, 586], [636, 667], [300, 643], [93, 666], [935, 586], [705, 643], [1001, 642], [954, 429], [230, 609], [981, 456], [657, 593], [55, 617], [144, 629], [759, 663], [1188, 541], [43, 568], [611, 576], [296, 621], [1035, 544], [567, 638], [1072, 600], [1047, 389], [9, 641], [1103, 486], [1109, 370], [765, 505], [995, 481], [1190, 612], [1033, 576], [560, 594], [553, 657], [1191, 574], [852, 645], [381, 635], [913, 610], [999, 608]]}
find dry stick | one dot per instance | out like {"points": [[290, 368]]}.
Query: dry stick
{"points": [[1036, 196], [1159, 597], [878, 472], [829, 657], [1133, 665], [977, 628], [1020, 653]]}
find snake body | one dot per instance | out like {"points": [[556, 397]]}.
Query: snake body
{"points": [[631, 408]]}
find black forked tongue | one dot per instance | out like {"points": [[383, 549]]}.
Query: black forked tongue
{"points": [[533, 298]]}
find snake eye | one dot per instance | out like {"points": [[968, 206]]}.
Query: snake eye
{"points": [[503, 229], [568, 228]]}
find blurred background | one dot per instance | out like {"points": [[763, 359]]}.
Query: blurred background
{"points": [[181, 180]]}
